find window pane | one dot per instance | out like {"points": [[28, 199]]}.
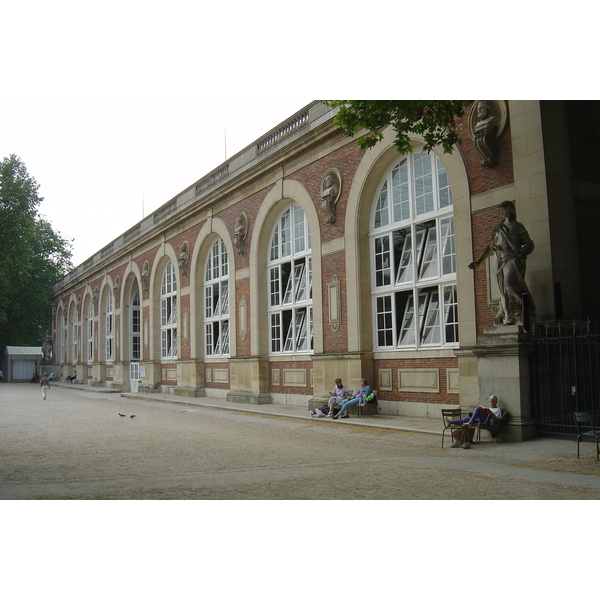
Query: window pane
{"points": [[423, 184], [450, 314], [448, 247], [428, 256], [407, 323], [445, 192], [381, 210], [403, 250], [382, 261], [430, 310], [400, 192]]}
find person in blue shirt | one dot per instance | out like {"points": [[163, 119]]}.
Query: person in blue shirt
{"points": [[360, 396]]}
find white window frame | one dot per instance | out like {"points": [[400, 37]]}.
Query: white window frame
{"points": [[289, 276], [413, 257], [110, 327], [74, 336], [217, 301], [168, 313], [90, 332], [136, 324]]}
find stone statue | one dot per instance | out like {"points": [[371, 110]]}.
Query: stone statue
{"points": [[145, 276], [330, 193], [184, 257], [511, 245], [117, 287], [485, 134], [240, 233], [47, 348]]}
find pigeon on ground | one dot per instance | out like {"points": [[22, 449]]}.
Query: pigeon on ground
{"points": [[131, 416], [122, 415]]}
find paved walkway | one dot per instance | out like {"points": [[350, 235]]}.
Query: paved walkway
{"points": [[422, 425]]}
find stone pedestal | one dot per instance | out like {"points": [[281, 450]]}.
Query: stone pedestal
{"points": [[249, 380], [503, 369], [190, 378]]}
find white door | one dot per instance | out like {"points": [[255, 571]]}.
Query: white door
{"points": [[134, 376]]}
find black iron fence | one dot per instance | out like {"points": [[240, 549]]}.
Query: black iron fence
{"points": [[565, 367]]}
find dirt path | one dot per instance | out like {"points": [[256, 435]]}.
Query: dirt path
{"points": [[76, 446]]}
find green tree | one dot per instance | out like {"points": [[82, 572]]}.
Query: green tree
{"points": [[435, 120], [34, 257]]}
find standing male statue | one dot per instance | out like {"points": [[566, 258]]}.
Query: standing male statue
{"points": [[511, 244]]}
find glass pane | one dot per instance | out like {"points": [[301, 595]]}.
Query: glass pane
{"points": [[382, 261], [276, 333], [275, 244], [445, 192], [423, 184], [300, 281], [400, 192], [299, 238], [381, 210], [448, 247], [450, 314], [286, 241], [407, 328], [431, 311], [403, 249], [275, 286], [429, 252]]}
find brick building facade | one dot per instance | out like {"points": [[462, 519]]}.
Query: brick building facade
{"points": [[266, 279]]}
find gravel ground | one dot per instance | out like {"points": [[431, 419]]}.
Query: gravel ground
{"points": [[76, 446]]}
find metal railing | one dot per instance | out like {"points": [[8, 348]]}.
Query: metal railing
{"points": [[565, 375]]}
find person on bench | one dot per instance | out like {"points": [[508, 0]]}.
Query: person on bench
{"points": [[360, 396], [338, 395], [481, 413]]}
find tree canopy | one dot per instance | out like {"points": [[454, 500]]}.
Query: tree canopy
{"points": [[34, 257], [435, 120]]}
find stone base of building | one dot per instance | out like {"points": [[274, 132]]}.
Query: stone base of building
{"points": [[188, 392], [248, 398]]}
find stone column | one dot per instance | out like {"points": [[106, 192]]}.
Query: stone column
{"points": [[503, 369], [249, 380]]}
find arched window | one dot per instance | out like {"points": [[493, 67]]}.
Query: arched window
{"points": [[168, 313], [413, 257], [136, 324], [290, 284], [74, 335], [89, 327], [90, 332], [216, 301], [110, 322]]}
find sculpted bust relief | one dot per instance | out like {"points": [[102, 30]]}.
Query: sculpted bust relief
{"points": [[330, 193]]}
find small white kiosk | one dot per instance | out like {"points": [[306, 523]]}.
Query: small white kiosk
{"points": [[22, 362]]}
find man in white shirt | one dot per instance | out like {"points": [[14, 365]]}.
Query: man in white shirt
{"points": [[339, 393], [480, 414]]}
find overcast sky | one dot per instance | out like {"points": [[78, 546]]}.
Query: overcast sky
{"points": [[116, 107]]}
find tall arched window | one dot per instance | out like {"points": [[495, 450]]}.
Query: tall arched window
{"points": [[90, 332], [74, 335], [110, 323], [413, 257], [216, 301], [136, 324], [168, 313], [290, 284]]}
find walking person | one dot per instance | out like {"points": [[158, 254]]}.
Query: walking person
{"points": [[45, 383]]}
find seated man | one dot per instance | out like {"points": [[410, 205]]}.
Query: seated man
{"points": [[338, 395], [479, 415]]}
